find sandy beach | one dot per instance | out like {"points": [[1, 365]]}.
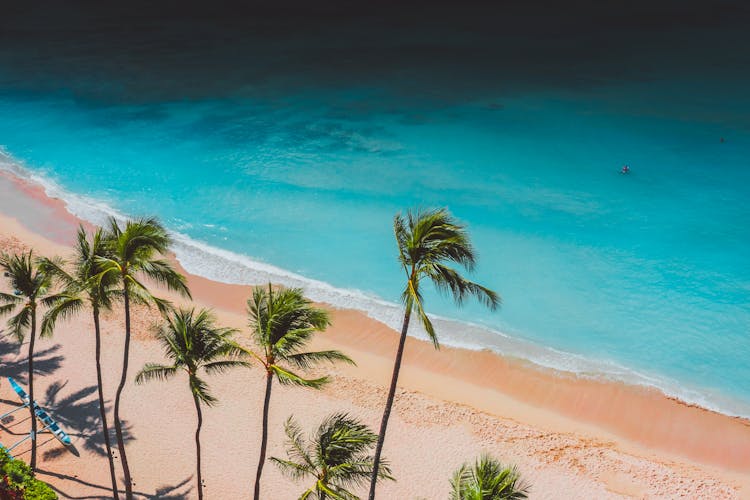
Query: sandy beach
{"points": [[570, 437]]}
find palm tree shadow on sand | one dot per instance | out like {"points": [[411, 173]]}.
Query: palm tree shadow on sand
{"points": [[46, 361], [179, 491], [78, 414]]}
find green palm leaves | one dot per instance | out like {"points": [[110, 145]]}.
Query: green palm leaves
{"points": [[282, 323], [31, 283], [134, 252], [80, 289], [337, 457], [429, 242], [487, 479], [193, 343]]}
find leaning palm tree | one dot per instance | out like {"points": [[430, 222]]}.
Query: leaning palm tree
{"points": [[428, 241], [336, 457], [283, 322], [193, 342], [133, 253], [82, 289], [30, 283], [488, 479]]}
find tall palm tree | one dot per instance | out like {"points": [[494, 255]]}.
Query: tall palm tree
{"points": [[132, 253], [337, 457], [31, 283], [283, 322], [488, 479], [82, 289], [428, 241], [193, 342]]}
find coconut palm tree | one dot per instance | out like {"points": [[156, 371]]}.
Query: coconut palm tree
{"points": [[82, 289], [30, 283], [133, 253], [283, 322], [428, 242], [488, 479], [193, 343], [336, 457]]}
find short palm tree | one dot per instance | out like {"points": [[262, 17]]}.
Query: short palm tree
{"points": [[336, 457], [30, 283], [428, 241], [82, 289], [133, 253], [283, 322], [193, 343], [488, 479]]}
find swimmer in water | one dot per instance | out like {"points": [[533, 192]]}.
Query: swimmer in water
{"points": [[625, 169]]}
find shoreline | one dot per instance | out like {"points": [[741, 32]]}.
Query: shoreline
{"points": [[193, 254], [636, 420]]}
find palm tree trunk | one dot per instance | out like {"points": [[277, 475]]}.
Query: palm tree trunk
{"points": [[102, 410], [389, 403], [123, 379], [31, 389], [264, 438], [198, 447]]}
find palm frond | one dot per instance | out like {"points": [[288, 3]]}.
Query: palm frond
{"points": [[200, 391], [487, 479], [292, 470], [306, 360], [10, 299], [427, 241], [153, 371], [163, 273], [60, 307], [19, 323], [223, 366], [450, 281], [285, 377]]}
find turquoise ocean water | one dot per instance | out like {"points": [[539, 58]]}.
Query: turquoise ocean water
{"points": [[286, 157]]}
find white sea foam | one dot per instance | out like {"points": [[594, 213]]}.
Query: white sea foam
{"points": [[225, 266]]}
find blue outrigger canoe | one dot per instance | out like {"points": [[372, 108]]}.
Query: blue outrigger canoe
{"points": [[43, 416]]}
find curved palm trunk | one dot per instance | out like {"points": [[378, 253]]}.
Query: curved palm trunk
{"points": [[198, 447], [264, 439], [31, 389], [102, 410], [389, 404], [123, 379]]}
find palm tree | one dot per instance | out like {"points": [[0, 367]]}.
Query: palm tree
{"points": [[83, 289], [337, 457], [488, 479], [283, 322], [31, 283], [133, 252], [193, 343], [427, 242]]}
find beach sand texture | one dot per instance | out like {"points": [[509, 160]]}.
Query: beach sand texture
{"points": [[570, 437]]}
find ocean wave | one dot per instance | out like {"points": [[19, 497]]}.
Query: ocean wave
{"points": [[224, 266]]}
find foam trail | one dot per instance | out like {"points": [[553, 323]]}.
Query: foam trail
{"points": [[229, 267]]}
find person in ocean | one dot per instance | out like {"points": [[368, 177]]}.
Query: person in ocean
{"points": [[625, 169]]}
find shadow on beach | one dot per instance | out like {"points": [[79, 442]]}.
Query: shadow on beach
{"points": [[177, 492]]}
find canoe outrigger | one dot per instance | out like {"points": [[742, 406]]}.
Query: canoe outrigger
{"points": [[44, 417]]}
